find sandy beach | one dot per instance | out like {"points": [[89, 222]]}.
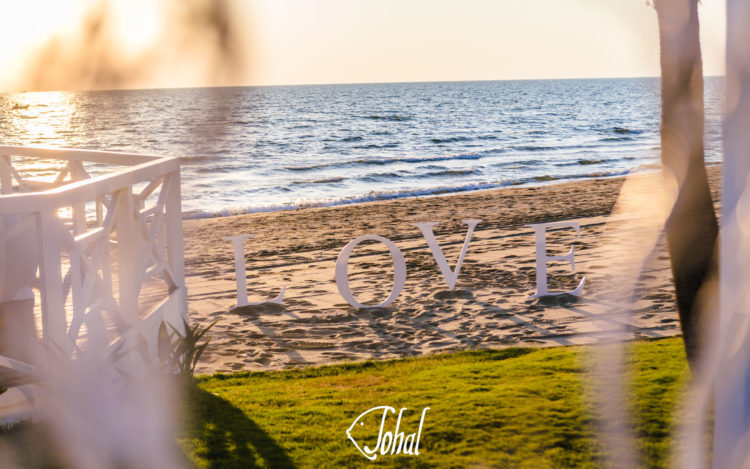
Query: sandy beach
{"points": [[490, 306]]}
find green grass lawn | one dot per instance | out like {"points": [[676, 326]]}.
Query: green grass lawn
{"points": [[517, 407]]}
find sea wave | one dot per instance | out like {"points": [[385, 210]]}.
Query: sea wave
{"points": [[450, 172], [199, 159], [573, 177], [387, 161], [583, 162], [451, 139], [605, 174], [516, 164], [380, 177], [376, 146], [539, 147], [623, 130], [392, 117], [385, 176], [374, 196], [622, 138], [330, 180]]}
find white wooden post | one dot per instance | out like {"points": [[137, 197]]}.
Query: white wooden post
{"points": [[54, 325], [6, 179], [129, 255], [175, 253], [77, 173]]}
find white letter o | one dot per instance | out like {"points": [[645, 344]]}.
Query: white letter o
{"points": [[342, 271]]}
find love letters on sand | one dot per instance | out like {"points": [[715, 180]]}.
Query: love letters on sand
{"points": [[450, 275]]}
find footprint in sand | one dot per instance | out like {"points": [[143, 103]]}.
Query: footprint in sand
{"points": [[449, 295], [308, 345], [558, 300], [254, 310]]}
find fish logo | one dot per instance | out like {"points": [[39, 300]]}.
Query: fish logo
{"points": [[395, 442]]}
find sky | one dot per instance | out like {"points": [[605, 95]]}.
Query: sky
{"points": [[49, 44]]}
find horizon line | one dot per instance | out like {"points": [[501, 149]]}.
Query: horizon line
{"points": [[156, 88]]}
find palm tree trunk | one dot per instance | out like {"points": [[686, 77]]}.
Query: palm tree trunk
{"points": [[691, 227]]}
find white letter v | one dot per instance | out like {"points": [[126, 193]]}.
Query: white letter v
{"points": [[437, 253]]}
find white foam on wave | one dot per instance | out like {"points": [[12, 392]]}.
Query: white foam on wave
{"points": [[374, 196]]}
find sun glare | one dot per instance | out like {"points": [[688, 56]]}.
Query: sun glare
{"points": [[138, 24], [27, 26], [136, 27], [43, 118]]}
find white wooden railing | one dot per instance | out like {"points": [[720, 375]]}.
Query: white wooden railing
{"points": [[105, 230]]}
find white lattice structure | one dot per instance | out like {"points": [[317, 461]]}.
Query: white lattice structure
{"points": [[104, 229]]}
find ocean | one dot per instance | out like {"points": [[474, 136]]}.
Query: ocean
{"points": [[251, 149]]}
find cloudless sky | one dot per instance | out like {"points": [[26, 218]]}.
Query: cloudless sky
{"points": [[322, 41], [343, 41]]}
